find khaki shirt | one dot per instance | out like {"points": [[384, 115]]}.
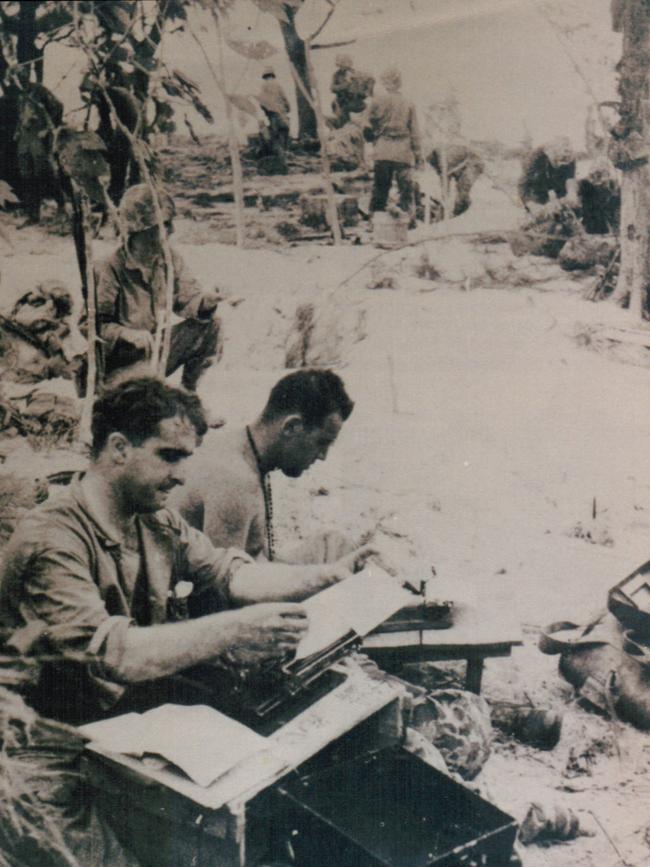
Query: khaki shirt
{"points": [[128, 294], [393, 127], [64, 570], [273, 98]]}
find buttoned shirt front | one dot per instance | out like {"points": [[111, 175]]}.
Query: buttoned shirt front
{"points": [[62, 568]]}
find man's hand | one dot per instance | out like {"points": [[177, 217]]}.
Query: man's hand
{"points": [[209, 303], [267, 630], [356, 560], [344, 567], [138, 338]]}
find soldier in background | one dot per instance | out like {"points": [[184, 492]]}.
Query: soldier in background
{"points": [[549, 173], [461, 165], [275, 105], [351, 88], [392, 126]]}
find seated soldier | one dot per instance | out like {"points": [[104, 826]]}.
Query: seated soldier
{"points": [[463, 166], [548, 174], [125, 584], [228, 494], [131, 291]]}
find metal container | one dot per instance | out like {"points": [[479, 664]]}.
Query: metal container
{"points": [[387, 808], [388, 231]]}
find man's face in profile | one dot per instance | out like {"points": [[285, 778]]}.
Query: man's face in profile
{"points": [[303, 445], [154, 467]]}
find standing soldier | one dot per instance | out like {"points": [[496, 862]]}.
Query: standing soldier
{"points": [[393, 127], [275, 105], [350, 88], [131, 292]]}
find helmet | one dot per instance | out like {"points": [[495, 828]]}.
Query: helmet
{"points": [[137, 211], [344, 61], [391, 78]]}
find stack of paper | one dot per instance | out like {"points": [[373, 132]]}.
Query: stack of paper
{"points": [[199, 740]]}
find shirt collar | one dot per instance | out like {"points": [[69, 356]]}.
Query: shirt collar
{"points": [[78, 495], [133, 264]]}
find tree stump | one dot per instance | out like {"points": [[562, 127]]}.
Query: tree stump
{"points": [[313, 211]]}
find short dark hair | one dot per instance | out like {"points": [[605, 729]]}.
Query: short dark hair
{"points": [[136, 407], [314, 394]]}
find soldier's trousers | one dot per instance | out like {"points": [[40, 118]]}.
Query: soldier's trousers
{"points": [[195, 345], [385, 171]]}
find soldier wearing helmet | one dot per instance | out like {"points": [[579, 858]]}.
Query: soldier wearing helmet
{"points": [[393, 127], [350, 88], [131, 291]]}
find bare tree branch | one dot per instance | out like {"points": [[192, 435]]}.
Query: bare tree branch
{"points": [[333, 44], [323, 24]]}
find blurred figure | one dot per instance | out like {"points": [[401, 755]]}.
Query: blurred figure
{"points": [[549, 173], [600, 199], [350, 88], [463, 166], [275, 105], [392, 126]]}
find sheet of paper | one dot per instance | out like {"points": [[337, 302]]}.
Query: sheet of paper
{"points": [[361, 602], [121, 734], [204, 743]]}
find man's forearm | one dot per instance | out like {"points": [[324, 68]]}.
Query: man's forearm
{"points": [[150, 652], [277, 582]]}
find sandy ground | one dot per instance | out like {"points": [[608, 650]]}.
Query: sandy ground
{"points": [[483, 434]]}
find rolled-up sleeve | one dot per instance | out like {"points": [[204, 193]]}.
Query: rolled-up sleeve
{"points": [[47, 578]]}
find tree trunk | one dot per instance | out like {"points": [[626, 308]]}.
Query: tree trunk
{"points": [[85, 260], [26, 50], [233, 148], [295, 46], [321, 127], [634, 145]]}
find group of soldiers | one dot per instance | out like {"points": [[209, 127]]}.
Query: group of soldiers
{"points": [[388, 121], [548, 180]]}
